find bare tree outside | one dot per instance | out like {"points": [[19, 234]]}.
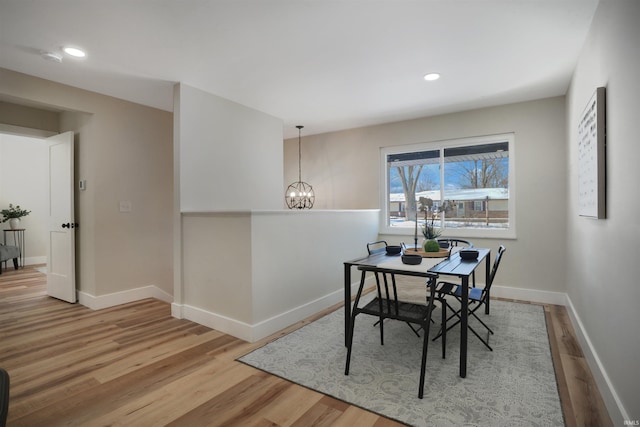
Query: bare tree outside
{"points": [[485, 173], [409, 177]]}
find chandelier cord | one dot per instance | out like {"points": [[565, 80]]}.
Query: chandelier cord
{"points": [[299, 155]]}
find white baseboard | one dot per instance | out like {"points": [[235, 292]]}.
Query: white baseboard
{"points": [[257, 331], [533, 295], [212, 320], [35, 260], [613, 403], [124, 297]]}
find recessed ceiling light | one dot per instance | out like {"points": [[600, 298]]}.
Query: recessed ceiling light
{"points": [[431, 77], [75, 52]]}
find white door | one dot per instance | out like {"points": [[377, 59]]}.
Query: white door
{"points": [[61, 259]]}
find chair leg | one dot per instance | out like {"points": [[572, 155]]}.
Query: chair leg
{"points": [[483, 324], [381, 327], [350, 344], [480, 338], [423, 366], [455, 314], [443, 328], [415, 331]]}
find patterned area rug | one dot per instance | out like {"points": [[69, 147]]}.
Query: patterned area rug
{"points": [[513, 385]]}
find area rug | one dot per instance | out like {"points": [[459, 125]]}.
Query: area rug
{"points": [[513, 385]]}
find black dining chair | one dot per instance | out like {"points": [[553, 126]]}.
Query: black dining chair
{"points": [[376, 247], [387, 306], [4, 397], [446, 242], [477, 298], [379, 247]]}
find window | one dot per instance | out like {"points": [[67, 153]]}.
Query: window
{"points": [[467, 183]]}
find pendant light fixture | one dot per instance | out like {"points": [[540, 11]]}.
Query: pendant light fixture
{"points": [[299, 195]]}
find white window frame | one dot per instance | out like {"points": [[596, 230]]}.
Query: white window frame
{"points": [[508, 233]]}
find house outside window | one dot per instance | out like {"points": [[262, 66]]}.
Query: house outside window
{"points": [[472, 177]]}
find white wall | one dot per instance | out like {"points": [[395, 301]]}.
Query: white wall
{"points": [[231, 155], [344, 169], [250, 274], [24, 182], [244, 265], [298, 256], [602, 283]]}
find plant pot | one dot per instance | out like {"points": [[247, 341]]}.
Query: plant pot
{"points": [[14, 223], [431, 245]]}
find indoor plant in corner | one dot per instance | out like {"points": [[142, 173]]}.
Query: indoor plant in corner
{"points": [[13, 215]]}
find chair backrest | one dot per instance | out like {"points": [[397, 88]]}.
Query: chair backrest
{"points": [[456, 242], [496, 264], [4, 397], [375, 247]]}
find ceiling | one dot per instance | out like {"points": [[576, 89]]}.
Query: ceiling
{"points": [[325, 64]]}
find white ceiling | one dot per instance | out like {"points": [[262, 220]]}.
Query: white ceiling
{"points": [[324, 64]]}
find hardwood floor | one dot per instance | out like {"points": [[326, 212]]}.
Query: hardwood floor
{"points": [[135, 365]]}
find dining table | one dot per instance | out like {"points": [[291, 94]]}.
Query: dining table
{"points": [[451, 264]]}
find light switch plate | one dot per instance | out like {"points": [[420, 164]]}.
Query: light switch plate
{"points": [[125, 206]]}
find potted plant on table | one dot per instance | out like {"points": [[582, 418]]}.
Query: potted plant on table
{"points": [[429, 231], [13, 215]]}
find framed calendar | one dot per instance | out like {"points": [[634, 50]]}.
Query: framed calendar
{"points": [[591, 158]]}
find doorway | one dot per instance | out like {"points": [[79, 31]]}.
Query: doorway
{"points": [[36, 175], [24, 182]]}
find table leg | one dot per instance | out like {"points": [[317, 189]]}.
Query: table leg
{"points": [[347, 302], [486, 281], [425, 341], [464, 321]]}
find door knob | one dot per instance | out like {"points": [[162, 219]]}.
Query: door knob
{"points": [[70, 225]]}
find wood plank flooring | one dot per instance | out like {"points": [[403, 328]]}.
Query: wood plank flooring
{"points": [[135, 365]]}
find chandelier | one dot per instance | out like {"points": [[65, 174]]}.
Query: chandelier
{"points": [[299, 195]]}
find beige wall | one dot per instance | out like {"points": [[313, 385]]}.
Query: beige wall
{"points": [[602, 283], [124, 152], [29, 117], [216, 263], [344, 169]]}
